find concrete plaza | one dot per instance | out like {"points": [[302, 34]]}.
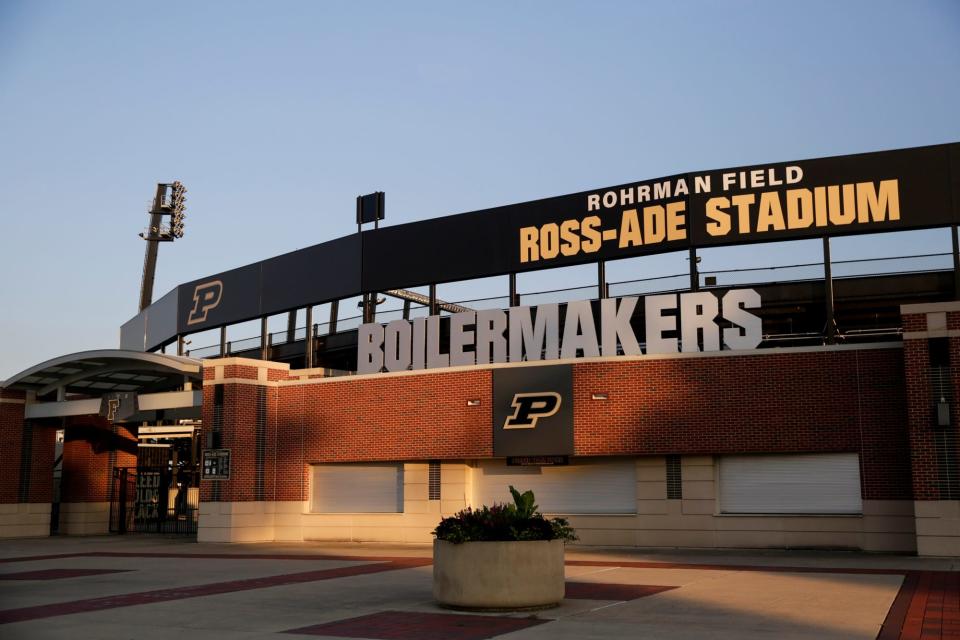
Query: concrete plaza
{"points": [[150, 587]]}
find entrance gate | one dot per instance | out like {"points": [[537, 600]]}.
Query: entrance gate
{"points": [[143, 501]]}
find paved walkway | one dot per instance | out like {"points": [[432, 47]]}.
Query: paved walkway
{"points": [[144, 587]]}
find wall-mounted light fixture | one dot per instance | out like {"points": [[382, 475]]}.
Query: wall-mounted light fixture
{"points": [[473, 403], [943, 413], [600, 396]]}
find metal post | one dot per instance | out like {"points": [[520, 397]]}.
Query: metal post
{"points": [[291, 326], [828, 293], [514, 298], [223, 341], [406, 309], [956, 262], [694, 270], [308, 340], [334, 310], [264, 339], [434, 308], [149, 262], [601, 279], [179, 345]]}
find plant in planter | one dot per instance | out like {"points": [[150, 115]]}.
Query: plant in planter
{"points": [[501, 557]]}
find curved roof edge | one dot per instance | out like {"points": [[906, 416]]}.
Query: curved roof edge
{"points": [[116, 358]]}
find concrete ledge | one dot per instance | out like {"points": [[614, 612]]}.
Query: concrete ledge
{"points": [[25, 520], [84, 518]]}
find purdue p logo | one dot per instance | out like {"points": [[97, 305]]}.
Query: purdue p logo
{"points": [[206, 296], [530, 407]]}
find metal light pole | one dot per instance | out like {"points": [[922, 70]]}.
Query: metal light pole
{"points": [[169, 200]]}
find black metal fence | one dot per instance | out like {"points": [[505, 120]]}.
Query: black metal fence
{"points": [[142, 501]]}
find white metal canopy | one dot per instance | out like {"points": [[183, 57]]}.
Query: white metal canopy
{"points": [[106, 370]]}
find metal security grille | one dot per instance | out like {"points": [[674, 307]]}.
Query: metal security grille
{"points": [[674, 479], [433, 481], [824, 483]]}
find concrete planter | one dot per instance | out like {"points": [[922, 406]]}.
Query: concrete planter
{"points": [[498, 575]]}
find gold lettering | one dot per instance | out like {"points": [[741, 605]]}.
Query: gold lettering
{"points": [[590, 231], [719, 224], [877, 207], [630, 229], [654, 225], [799, 208], [742, 203], [529, 248], [770, 213], [569, 238], [676, 221]]}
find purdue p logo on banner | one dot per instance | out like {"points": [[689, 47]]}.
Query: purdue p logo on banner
{"points": [[206, 296], [530, 407]]}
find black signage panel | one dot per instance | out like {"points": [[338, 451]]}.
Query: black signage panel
{"points": [[216, 464], [162, 319], [864, 193], [231, 296], [317, 274], [533, 411]]}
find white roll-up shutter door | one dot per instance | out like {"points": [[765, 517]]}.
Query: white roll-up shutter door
{"points": [[357, 488], [814, 483], [583, 486]]}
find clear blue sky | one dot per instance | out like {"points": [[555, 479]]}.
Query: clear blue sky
{"points": [[277, 114]]}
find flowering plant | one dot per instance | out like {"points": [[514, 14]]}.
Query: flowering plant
{"points": [[504, 522]]}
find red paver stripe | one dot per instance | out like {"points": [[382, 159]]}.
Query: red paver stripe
{"points": [[893, 623], [413, 625], [608, 591], [57, 574], [55, 556], [729, 567], [213, 556], [196, 591]]}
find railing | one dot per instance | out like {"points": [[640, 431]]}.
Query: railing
{"points": [[800, 272]]}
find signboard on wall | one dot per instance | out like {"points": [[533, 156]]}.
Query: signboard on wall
{"points": [[533, 411], [216, 464]]}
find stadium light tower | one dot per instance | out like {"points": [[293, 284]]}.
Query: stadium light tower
{"points": [[169, 200]]}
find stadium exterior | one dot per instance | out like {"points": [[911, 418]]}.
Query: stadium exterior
{"points": [[812, 413]]}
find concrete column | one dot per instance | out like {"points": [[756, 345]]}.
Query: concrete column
{"points": [[239, 414]]}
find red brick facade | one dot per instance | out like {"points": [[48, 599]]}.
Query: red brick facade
{"points": [[929, 476], [91, 450], [29, 451], [769, 402]]}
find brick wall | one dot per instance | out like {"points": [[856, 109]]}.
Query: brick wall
{"points": [[827, 401], [791, 401], [934, 449], [28, 448], [11, 436], [92, 448]]}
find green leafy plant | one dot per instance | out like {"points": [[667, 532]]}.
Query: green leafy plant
{"points": [[504, 522]]}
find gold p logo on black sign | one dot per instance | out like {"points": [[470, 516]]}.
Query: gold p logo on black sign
{"points": [[206, 296], [530, 407]]}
